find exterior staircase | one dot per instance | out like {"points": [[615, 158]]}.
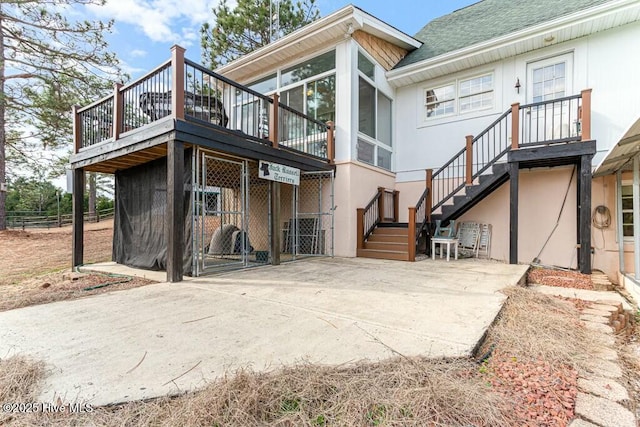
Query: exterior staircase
{"points": [[474, 194], [388, 240], [524, 136]]}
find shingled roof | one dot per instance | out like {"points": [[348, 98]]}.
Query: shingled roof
{"points": [[486, 20]]}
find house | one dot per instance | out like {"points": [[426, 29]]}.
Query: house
{"points": [[522, 115]]}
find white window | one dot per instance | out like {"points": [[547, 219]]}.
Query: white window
{"points": [[468, 94], [476, 93], [627, 210], [549, 78], [374, 118], [440, 101]]}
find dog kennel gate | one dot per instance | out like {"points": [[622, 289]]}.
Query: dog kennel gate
{"points": [[231, 216]]}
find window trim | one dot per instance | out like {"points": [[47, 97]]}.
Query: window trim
{"points": [[457, 97], [359, 74], [626, 183]]}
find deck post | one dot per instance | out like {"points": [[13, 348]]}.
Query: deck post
{"points": [[469, 161], [411, 234], [274, 201], [429, 201], [513, 212], [177, 81], [381, 191], [515, 125], [331, 143], [175, 210], [118, 111], [274, 121], [586, 115], [584, 256], [78, 217], [77, 129], [359, 230], [396, 205]]}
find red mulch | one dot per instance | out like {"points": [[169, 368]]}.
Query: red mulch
{"points": [[539, 394], [560, 278]]}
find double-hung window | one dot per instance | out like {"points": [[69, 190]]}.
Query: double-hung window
{"points": [[460, 96]]}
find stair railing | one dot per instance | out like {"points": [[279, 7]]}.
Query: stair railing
{"points": [[556, 121], [419, 217], [383, 207]]}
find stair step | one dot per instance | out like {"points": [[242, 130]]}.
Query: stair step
{"points": [[387, 246], [391, 238], [393, 225], [391, 231], [380, 254]]}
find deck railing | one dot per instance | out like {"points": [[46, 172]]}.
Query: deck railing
{"points": [[557, 121], [184, 90]]}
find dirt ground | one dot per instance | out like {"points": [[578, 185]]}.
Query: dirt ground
{"points": [[38, 251], [35, 266]]}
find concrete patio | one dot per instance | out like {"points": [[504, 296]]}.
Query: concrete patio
{"points": [[167, 338]]}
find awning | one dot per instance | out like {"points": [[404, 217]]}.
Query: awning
{"points": [[621, 155]]}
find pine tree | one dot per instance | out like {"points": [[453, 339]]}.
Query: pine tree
{"points": [[250, 25], [47, 63]]}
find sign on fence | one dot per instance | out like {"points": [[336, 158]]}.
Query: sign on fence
{"points": [[278, 173]]}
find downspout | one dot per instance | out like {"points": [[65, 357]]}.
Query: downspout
{"points": [[619, 220], [636, 216]]}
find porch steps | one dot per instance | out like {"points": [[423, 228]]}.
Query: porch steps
{"points": [[387, 241]]}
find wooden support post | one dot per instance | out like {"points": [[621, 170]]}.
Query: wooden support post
{"points": [[515, 126], [381, 192], [118, 111], [396, 205], [411, 234], [78, 217], [513, 212], [77, 129], [274, 121], [586, 115], [429, 200], [274, 200], [331, 143], [360, 230], [619, 220], [469, 161], [177, 81], [584, 257], [175, 210]]}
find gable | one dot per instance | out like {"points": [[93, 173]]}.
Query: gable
{"points": [[387, 54]]}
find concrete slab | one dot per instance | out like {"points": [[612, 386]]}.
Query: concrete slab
{"points": [[168, 338], [583, 294], [603, 387], [603, 412]]}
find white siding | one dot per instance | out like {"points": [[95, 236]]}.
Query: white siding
{"points": [[607, 62]]}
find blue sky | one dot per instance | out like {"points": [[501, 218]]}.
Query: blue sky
{"points": [[145, 29]]}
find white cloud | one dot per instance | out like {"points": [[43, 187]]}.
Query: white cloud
{"points": [[159, 20], [138, 53]]}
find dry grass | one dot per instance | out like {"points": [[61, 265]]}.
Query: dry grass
{"points": [[394, 392], [535, 327], [19, 378], [62, 286]]}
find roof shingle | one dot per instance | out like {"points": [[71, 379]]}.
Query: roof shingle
{"points": [[486, 20]]}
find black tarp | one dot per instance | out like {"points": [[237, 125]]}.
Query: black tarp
{"points": [[140, 230]]}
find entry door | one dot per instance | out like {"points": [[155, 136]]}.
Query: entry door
{"points": [[547, 80]]}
